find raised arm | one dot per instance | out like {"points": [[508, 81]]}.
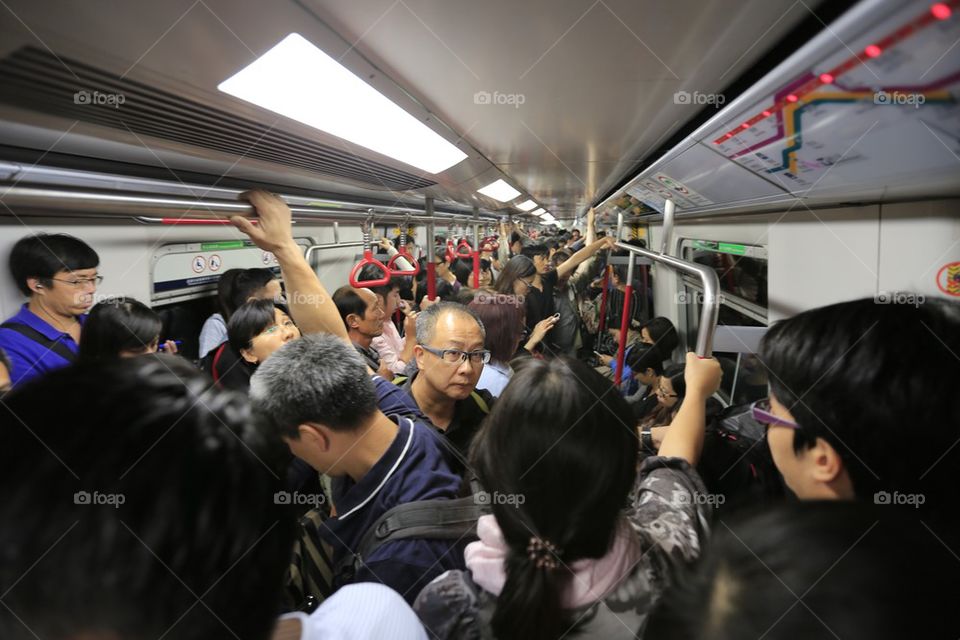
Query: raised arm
{"points": [[310, 303], [591, 234], [568, 266], [684, 437]]}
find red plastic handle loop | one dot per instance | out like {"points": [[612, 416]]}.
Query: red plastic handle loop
{"points": [[490, 243], [460, 249], [402, 253], [369, 259], [451, 251]]}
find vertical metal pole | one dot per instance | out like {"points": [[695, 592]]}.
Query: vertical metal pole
{"points": [[476, 248], [625, 320], [668, 214], [431, 267]]}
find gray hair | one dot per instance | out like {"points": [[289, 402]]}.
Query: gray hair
{"points": [[428, 318], [317, 378]]}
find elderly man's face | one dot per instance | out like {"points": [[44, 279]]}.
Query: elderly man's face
{"points": [[453, 331]]}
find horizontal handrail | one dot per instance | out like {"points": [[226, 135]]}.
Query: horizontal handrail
{"points": [[710, 306], [47, 201], [331, 245]]}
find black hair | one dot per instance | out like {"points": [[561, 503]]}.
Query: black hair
{"points": [[814, 570], [348, 301], [674, 373], [515, 238], [645, 356], [42, 255], [250, 320], [533, 250], [131, 488], [873, 380], [517, 267], [116, 325], [444, 290], [236, 286], [462, 270], [664, 335], [373, 272], [318, 378], [579, 419]]}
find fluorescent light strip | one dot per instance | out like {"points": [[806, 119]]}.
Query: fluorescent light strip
{"points": [[301, 82], [538, 212], [499, 191], [527, 206]]}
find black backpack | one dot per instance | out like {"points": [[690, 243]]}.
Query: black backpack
{"points": [[736, 461]]}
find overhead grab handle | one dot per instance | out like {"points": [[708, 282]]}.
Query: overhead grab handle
{"points": [[403, 253], [367, 260], [464, 250]]}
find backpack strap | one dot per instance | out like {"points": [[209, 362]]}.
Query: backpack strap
{"points": [[439, 519], [480, 402], [56, 346], [214, 371]]}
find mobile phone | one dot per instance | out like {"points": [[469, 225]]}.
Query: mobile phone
{"points": [[162, 345]]}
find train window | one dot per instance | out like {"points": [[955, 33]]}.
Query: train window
{"points": [[742, 271], [741, 268]]}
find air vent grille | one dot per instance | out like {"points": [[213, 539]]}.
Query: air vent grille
{"points": [[36, 80]]}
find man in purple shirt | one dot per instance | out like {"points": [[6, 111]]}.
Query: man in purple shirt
{"points": [[58, 274]]}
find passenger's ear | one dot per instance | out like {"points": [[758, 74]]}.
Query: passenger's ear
{"points": [[315, 436], [247, 355], [35, 286], [418, 354], [827, 465], [353, 320]]}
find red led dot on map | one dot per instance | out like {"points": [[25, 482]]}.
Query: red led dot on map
{"points": [[792, 98], [767, 114], [826, 78], [872, 51], [745, 125], [940, 11]]}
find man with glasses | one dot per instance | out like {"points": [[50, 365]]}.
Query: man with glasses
{"points": [[450, 358], [58, 274]]}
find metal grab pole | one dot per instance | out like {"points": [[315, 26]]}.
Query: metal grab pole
{"points": [[603, 300], [329, 245], [47, 201], [431, 250], [624, 323], [476, 250], [711, 293]]}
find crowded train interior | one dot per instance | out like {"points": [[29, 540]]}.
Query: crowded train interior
{"points": [[499, 320]]}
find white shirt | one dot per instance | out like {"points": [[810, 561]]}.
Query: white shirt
{"points": [[359, 611], [213, 334], [494, 377], [390, 345]]}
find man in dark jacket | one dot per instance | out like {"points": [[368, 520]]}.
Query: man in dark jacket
{"points": [[317, 394]]}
